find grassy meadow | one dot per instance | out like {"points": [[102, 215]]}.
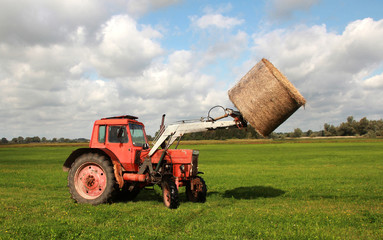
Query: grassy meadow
{"points": [[279, 190]]}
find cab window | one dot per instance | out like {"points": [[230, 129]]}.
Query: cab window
{"points": [[117, 134], [101, 133], [138, 135]]}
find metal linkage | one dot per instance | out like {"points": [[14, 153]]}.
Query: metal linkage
{"points": [[172, 132]]}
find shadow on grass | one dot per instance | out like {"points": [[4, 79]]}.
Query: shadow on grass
{"points": [[253, 192], [150, 195], [144, 195]]}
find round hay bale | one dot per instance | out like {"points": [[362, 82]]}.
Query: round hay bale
{"points": [[265, 97]]}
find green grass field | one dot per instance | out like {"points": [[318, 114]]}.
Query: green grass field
{"points": [[320, 190]]}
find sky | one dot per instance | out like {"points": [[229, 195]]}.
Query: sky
{"points": [[65, 64]]}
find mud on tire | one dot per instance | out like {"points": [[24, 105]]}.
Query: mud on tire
{"points": [[91, 179], [170, 193], [196, 190]]}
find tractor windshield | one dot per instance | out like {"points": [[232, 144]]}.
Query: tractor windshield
{"points": [[138, 135]]}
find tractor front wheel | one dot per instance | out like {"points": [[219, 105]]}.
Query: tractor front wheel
{"points": [[196, 190], [170, 193], [91, 179]]}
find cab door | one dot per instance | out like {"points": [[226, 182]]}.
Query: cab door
{"points": [[118, 142], [138, 140]]}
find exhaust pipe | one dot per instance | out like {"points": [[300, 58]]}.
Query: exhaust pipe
{"points": [[133, 177]]}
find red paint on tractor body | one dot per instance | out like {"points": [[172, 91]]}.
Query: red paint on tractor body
{"points": [[122, 142], [131, 155]]}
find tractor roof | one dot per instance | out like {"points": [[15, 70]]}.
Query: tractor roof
{"points": [[121, 117], [125, 119]]}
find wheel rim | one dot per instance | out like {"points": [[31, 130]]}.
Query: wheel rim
{"points": [[166, 195], [90, 180], [197, 187]]}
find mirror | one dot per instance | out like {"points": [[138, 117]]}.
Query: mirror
{"points": [[145, 146]]}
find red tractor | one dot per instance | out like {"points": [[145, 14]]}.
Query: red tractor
{"points": [[120, 162]]}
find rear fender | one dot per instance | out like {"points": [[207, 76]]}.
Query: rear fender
{"points": [[102, 151]]}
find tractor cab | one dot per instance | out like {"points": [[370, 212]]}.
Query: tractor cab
{"points": [[123, 136]]}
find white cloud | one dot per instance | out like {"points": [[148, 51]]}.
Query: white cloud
{"points": [[216, 20], [65, 64], [55, 80], [46, 22], [282, 9], [177, 79], [227, 46], [68, 68], [329, 68], [375, 82], [140, 7], [124, 49], [62, 87]]}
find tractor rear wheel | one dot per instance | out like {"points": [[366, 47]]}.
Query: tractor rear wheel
{"points": [[196, 190], [91, 179], [170, 193]]}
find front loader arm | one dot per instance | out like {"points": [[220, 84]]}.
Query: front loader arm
{"points": [[177, 130]]}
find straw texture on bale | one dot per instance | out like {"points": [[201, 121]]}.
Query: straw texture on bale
{"points": [[265, 97]]}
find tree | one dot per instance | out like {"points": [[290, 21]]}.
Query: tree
{"points": [[350, 120], [346, 129], [149, 137], [309, 132], [273, 135], [362, 128], [4, 140], [20, 139], [297, 133], [329, 130]]}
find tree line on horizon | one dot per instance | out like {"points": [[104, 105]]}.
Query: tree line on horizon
{"points": [[363, 127], [36, 139]]}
